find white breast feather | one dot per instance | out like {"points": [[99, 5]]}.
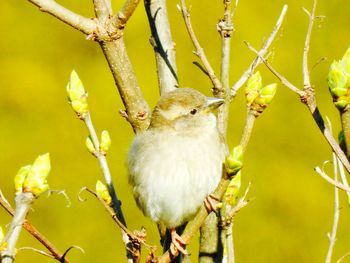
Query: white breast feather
{"points": [[170, 187]]}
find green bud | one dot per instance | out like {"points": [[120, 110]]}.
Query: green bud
{"points": [[35, 182], [337, 79], [105, 142], [102, 192], [90, 146], [253, 87], [341, 103], [266, 95], [234, 161], [233, 189], [77, 96], [20, 177]]}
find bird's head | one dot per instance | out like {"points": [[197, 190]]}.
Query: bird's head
{"points": [[185, 109]]}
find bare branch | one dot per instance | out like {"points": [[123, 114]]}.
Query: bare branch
{"points": [[331, 181], [306, 73], [124, 14], [24, 202], [35, 233], [163, 45], [261, 53], [103, 9], [307, 96], [283, 80], [199, 50], [343, 178], [83, 24], [247, 130], [343, 257], [136, 108], [333, 235], [225, 28]]}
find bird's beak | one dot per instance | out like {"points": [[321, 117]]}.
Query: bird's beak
{"points": [[213, 103]]}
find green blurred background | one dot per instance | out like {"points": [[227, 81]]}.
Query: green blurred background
{"points": [[292, 207]]}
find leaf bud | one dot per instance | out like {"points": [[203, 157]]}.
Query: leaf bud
{"points": [[105, 142], [102, 192]]}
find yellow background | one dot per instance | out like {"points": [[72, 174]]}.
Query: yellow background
{"points": [[292, 207]]}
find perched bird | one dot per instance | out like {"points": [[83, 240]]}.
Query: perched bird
{"points": [[177, 162]]}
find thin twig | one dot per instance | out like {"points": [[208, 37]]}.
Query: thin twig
{"points": [[24, 202], [199, 50], [103, 10], [163, 45], [124, 14], [333, 235], [330, 180], [343, 178], [83, 24], [116, 203], [104, 167], [247, 129], [35, 233], [308, 98], [261, 54], [283, 80], [306, 72], [114, 216], [41, 252], [343, 257], [225, 28]]}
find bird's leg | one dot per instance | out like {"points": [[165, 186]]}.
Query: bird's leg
{"points": [[177, 243], [211, 203]]}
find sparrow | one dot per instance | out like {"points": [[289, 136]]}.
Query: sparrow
{"points": [[177, 162]]}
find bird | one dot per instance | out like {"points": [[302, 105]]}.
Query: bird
{"points": [[176, 164]]}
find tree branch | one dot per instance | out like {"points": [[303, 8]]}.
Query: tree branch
{"points": [[83, 24], [306, 72], [35, 233], [225, 28], [333, 235], [137, 110], [308, 98], [163, 45], [260, 54], [24, 202], [199, 50], [103, 9], [124, 14], [330, 180]]}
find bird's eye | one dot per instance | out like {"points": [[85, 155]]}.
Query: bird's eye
{"points": [[193, 111]]}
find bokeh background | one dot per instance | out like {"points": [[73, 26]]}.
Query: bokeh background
{"points": [[292, 207]]}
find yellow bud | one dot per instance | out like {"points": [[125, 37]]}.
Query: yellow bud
{"points": [[102, 192], [20, 177], [234, 161], [76, 94], [337, 79], [253, 87], [105, 142], [35, 182], [266, 95], [90, 146]]}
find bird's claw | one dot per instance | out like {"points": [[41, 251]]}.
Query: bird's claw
{"points": [[212, 203], [177, 244]]}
